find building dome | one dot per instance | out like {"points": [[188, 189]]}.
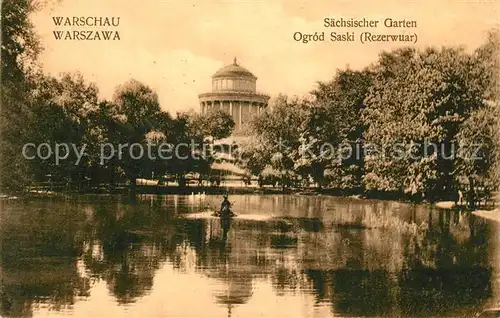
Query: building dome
{"points": [[233, 70], [234, 90]]}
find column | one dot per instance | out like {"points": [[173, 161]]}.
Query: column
{"points": [[240, 112], [231, 108]]}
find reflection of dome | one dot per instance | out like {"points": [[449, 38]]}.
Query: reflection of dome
{"points": [[233, 70], [236, 289]]}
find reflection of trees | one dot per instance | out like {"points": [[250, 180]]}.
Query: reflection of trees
{"points": [[439, 268], [447, 290], [40, 246], [252, 250], [360, 271], [129, 245], [494, 259], [380, 271]]}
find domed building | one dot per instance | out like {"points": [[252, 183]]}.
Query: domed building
{"points": [[234, 89]]}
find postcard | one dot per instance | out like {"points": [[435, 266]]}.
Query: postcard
{"points": [[250, 158]]}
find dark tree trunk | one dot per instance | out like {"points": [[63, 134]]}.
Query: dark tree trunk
{"points": [[133, 186], [471, 198]]}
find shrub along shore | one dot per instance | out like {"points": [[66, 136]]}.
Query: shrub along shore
{"points": [[434, 108]]}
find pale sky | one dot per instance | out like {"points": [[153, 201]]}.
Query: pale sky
{"points": [[176, 46]]}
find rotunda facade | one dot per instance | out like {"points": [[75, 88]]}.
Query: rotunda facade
{"points": [[234, 90]]}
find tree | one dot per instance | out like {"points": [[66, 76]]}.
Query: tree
{"points": [[190, 151], [216, 123], [279, 130], [333, 125], [137, 114], [253, 155], [478, 134], [19, 50], [20, 47], [418, 99], [71, 99], [20, 43]]}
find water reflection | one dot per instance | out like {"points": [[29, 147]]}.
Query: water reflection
{"points": [[315, 257], [39, 258]]}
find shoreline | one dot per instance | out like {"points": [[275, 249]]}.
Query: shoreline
{"points": [[124, 194], [492, 215]]}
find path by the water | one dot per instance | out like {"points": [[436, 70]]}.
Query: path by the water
{"points": [[490, 215]]}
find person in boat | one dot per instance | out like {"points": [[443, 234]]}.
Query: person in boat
{"points": [[225, 207]]}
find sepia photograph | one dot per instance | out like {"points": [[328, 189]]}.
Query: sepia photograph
{"points": [[230, 158]]}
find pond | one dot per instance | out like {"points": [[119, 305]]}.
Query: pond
{"points": [[283, 256]]}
